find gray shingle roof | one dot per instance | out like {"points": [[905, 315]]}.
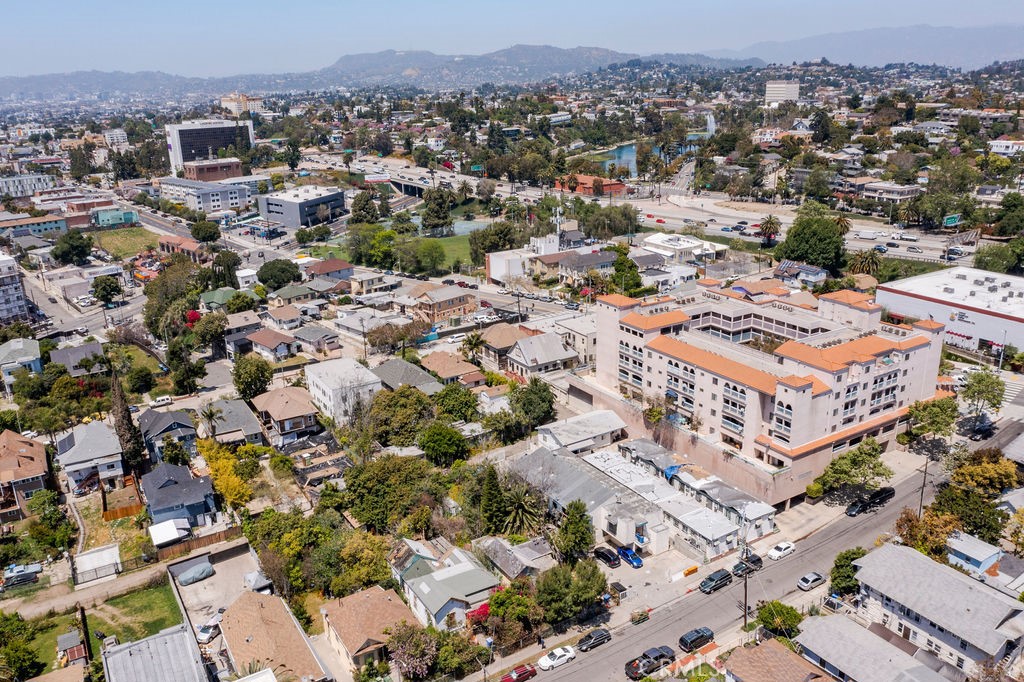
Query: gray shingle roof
{"points": [[861, 654], [235, 415], [87, 442], [154, 424], [70, 357], [19, 350], [967, 608], [170, 485], [397, 372], [465, 582]]}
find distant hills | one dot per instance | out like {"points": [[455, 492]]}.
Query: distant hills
{"points": [[966, 48], [517, 64]]}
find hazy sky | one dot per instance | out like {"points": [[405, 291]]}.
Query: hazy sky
{"points": [[225, 37]]}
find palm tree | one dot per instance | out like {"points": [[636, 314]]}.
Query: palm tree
{"points": [[464, 191], [572, 182], [472, 344], [865, 262], [906, 213], [843, 223], [210, 416], [770, 227], [523, 511]]}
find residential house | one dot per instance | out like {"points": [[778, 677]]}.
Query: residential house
{"points": [[923, 601], [770, 661], [242, 323], [849, 652], [23, 471], [335, 268], [290, 294], [575, 271], [91, 453], [794, 274], [247, 278], [970, 553], [591, 185], [498, 341], [171, 655], [439, 305], [582, 433], [80, 360], [441, 583], [19, 354], [260, 629], [235, 424], [173, 493], [396, 372], [492, 399], [364, 283], [71, 650], [449, 367], [216, 300], [580, 334], [524, 560], [339, 387], [315, 339], [170, 244], [326, 287], [285, 318], [272, 345], [357, 626], [157, 426], [545, 352], [287, 414]]}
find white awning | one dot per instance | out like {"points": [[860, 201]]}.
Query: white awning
{"points": [[169, 532]]}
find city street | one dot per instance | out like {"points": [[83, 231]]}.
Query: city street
{"points": [[723, 610]]}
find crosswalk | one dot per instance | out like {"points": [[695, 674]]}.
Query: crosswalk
{"points": [[1013, 393]]}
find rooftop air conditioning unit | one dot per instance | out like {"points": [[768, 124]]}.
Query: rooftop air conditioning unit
{"points": [[1006, 284], [993, 288], [961, 276], [979, 282], [973, 293], [947, 290]]}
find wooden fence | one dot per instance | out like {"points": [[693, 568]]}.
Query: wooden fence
{"points": [[122, 512], [186, 546]]}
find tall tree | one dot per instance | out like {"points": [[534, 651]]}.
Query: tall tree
{"points": [[575, 534], [128, 434], [865, 262], [363, 209], [813, 239], [211, 416], [983, 390], [72, 247], [862, 467], [844, 573], [251, 375], [769, 229], [492, 502], [106, 288]]}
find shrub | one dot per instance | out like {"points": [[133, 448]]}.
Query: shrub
{"points": [[815, 490]]}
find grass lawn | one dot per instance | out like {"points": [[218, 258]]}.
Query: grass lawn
{"points": [[143, 359], [456, 247], [898, 268], [703, 673], [313, 601], [125, 242], [45, 642]]}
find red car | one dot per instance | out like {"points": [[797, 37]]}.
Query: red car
{"points": [[485, 304], [660, 221], [523, 672]]}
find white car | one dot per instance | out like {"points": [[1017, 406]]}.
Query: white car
{"points": [[557, 657], [780, 550], [810, 581]]}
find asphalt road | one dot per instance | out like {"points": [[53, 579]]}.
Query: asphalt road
{"points": [[722, 610]]}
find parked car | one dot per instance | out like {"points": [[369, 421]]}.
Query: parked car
{"points": [[572, 305], [874, 499], [741, 222], [610, 558], [207, 631], [650, 661], [748, 563], [983, 432], [486, 304], [810, 581], [631, 557], [594, 639], [695, 639], [716, 581], [556, 658], [161, 401], [783, 549], [523, 672]]}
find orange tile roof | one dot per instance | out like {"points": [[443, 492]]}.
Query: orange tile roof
{"points": [[817, 385], [655, 300], [618, 300], [657, 321], [259, 627], [928, 324], [835, 358], [854, 299], [709, 282], [716, 364]]}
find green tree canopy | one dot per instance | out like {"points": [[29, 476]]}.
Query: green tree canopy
{"points": [[443, 444], [205, 231], [251, 376], [815, 239], [455, 402], [862, 466], [844, 573], [983, 390], [575, 534], [72, 247], [778, 618], [398, 417], [363, 209], [275, 274], [381, 492], [106, 288]]}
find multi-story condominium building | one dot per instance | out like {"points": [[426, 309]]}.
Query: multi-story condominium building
{"points": [[891, 192], [776, 92], [204, 196], [12, 292], [824, 381], [237, 103], [339, 387], [115, 137], [191, 140], [960, 620], [25, 185]]}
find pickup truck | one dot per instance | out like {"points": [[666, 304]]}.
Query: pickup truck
{"points": [[650, 661]]}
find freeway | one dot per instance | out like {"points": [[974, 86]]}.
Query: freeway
{"points": [[721, 611]]}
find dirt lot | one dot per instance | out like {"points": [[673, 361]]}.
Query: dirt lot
{"points": [[99, 533]]}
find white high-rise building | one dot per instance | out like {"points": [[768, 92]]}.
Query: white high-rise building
{"points": [[237, 103], [12, 292], [776, 92]]}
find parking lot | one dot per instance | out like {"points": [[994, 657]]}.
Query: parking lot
{"points": [[204, 598], [656, 583]]}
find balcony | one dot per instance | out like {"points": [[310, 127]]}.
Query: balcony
{"points": [[733, 410], [732, 425], [734, 395]]}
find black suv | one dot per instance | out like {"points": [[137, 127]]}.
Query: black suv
{"points": [[650, 661], [716, 581], [593, 639], [610, 558], [748, 564], [875, 499], [695, 639]]}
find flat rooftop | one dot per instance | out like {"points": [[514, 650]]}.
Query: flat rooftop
{"points": [[965, 286], [304, 193]]}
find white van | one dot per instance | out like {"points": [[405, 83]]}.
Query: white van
{"points": [[161, 401]]}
